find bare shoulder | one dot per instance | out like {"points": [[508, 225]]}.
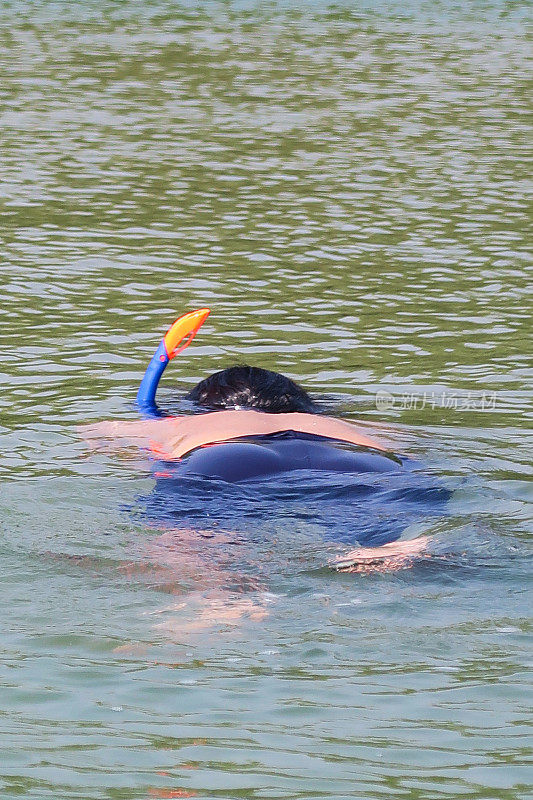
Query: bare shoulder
{"points": [[222, 425], [332, 428]]}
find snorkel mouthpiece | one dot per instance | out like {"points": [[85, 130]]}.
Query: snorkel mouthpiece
{"points": [[172, 343]]}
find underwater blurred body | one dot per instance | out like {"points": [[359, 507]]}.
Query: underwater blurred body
{"points": [[350, 494]]}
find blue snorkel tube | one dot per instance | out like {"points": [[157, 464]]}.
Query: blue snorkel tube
{"points": [[186, 327]]}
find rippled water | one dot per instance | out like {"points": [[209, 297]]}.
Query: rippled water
{"points": [[347, 189]]}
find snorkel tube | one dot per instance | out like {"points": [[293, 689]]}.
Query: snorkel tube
{"points": [[184, 328]]}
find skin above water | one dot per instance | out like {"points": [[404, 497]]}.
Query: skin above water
{"points": [[347, 190]]}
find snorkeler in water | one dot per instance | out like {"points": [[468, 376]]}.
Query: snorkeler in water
{"points": [[254, 424]]}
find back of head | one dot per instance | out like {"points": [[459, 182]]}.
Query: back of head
{"points": [[251, 387]]}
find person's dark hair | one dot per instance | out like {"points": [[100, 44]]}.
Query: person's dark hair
{"points": [[251, 387]]}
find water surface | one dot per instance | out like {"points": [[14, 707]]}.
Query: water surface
{"points": [[347, 189]]}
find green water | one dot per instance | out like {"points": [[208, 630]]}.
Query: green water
{"points": [[346, 186]]}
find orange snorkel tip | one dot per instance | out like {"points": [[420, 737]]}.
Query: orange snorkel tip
{"points": [[185, 327]]}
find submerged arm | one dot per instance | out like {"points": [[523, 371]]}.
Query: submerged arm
{"points": [[124, 434]]}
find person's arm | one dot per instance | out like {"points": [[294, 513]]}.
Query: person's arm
{"points": [[123, 434]]}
